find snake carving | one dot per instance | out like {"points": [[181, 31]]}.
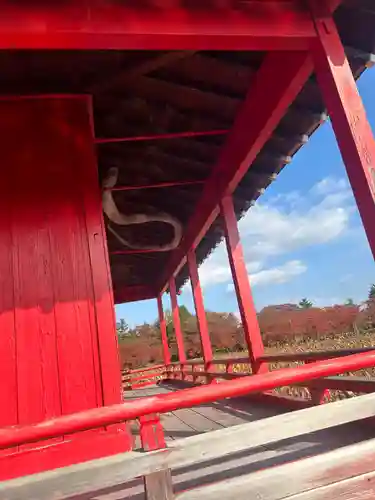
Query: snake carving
{"points": [[116, 217]]}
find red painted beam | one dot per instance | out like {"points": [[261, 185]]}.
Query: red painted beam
{"points": [[163, 331], [245, 301], [274, 88], [155, 186], [199, 308], [266, 25], [159, 137], [350, 124], [186, 398], [177, 322]]}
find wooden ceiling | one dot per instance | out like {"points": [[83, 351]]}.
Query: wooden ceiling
{"points": [[143, 93]]}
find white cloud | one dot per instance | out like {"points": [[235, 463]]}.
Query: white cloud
{"points": [[273, 230], [276, 275], [285, 224], [216, 270], [329, 185]]}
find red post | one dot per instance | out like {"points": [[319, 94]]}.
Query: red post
{"points": [[199, 307], [151, 432], [176, 321], [242, 286], [163, 330], [348, 116]]}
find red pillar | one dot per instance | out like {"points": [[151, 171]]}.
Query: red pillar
{"points": [[177, 322], [163, 330], [348, 116], [241, 283], [58, 344], [199, 307]]}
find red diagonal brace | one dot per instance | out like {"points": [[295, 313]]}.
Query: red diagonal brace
{"points": [[274, 88]]}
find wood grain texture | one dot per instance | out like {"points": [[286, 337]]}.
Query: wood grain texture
{"points": [[58, 343], [294, 478], [8, 364], [361, 487], [158, 485], [107, 472]]}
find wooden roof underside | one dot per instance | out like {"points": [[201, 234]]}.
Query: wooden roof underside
{"points": [[141, 93]]}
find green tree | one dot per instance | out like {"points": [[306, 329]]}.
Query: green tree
{"points": [[122, 327], [305, 304], [169, 325], [349, 302], [185, 316], [371, 294]]}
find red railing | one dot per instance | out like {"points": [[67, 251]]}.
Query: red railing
{"points": [[196, 370], [310, 356], [143, 377], [186, 398], [231, 368]]}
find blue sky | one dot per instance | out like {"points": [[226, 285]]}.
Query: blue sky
{"points": [[303, 238]]}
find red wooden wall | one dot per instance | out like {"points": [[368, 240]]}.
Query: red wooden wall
{"points": [[58, 346]]}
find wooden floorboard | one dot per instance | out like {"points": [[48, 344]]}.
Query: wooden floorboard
{"points": [[204, 418]]}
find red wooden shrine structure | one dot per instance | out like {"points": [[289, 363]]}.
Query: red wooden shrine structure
{"points": [[236, 88]]}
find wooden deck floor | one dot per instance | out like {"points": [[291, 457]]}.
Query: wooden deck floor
{"points": [[208, 417]]}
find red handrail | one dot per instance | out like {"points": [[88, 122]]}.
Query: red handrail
{"points": [[100, 417], [146, 369], [313, 355]]}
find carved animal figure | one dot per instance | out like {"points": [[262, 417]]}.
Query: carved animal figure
{"points": [[113, 214]]}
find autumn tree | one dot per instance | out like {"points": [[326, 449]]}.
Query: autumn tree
{"points": [[371, 294]]}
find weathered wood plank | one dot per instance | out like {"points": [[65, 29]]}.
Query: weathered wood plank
{"points": [[303, 476], [220, 416], [158, 485], [356, 488], [175, 428], [89, 476], [196, 421], [270, 430], [85, 477]]}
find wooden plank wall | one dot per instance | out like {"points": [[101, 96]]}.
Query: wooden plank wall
{"points": [[58, 345]]}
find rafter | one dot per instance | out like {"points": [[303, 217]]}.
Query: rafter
{"points": [[140, 69], [265, 25], [134, 294], [280, 79]]}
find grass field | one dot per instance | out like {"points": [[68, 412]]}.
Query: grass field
{"points": [[349, 340]]}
